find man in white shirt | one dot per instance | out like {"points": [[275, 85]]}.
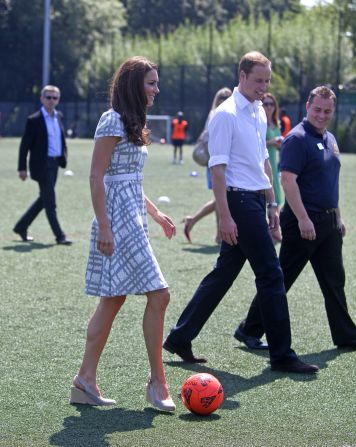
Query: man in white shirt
{"points": [[44, 140], [242, 184]]}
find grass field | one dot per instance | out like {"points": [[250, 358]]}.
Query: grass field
{"points": [[44, 314]]}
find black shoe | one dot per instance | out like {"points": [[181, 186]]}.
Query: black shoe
{"points": [[350, 345], [23, 235], [250, 342], [294, 366], [64, 241], [185, 354]]}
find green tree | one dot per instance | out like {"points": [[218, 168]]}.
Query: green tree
{"points": [[156, 16], [76, 27]]}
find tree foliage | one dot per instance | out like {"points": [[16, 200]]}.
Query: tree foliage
{"points": [[76, 27], [155, 16], [302, 55], [90, 39]]}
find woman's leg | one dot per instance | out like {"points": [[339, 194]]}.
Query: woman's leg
{"points": [[153, 322], [97, 334], [181, 153]]}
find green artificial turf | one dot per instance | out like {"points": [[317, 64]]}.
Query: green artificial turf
{"points": [[44, 313]]}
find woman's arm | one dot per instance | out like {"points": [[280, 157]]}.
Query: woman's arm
{"points": [[100, 160], [162, 219]]}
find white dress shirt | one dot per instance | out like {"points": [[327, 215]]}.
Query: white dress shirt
{"points": [[237, 139], [53, 132]]}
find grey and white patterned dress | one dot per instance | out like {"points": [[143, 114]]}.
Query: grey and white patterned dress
{"points": [[132, 268]]}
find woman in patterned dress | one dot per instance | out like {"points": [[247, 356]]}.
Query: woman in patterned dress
{"points": [[121, 260]]}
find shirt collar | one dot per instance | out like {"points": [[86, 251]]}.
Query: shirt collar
{"points": [[311, 129], [46, 114], [242, 102]]}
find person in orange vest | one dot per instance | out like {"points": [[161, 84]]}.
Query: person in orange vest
{"points": [[179, 127], [285, 122]]}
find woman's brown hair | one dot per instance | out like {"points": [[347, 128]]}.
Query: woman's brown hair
{"points": [[275, 114], [128, 98]]}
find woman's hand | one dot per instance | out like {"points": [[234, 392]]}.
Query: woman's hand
{"points": [[276, 142], [104, 241], [166, 223]]}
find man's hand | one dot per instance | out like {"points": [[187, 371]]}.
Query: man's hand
{"points": [[23, 175], [307, 230], [273, 218], [228, 230], [341, 226]]}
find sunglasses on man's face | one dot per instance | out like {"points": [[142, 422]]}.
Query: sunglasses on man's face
{"points": [[268, 104], [55, 98]]}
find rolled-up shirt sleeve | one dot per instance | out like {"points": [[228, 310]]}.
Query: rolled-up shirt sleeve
{"points": [[220, 138]]}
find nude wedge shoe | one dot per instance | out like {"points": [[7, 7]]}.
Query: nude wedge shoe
{"points": [[151, 397], [87, 395]]}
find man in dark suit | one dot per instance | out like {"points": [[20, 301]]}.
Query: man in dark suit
{"points": [[44, 139]]}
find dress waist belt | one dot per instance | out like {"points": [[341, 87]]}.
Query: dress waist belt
{"points": [[136, 176]]}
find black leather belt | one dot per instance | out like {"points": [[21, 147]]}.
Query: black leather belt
{"points": [[233, 188]]}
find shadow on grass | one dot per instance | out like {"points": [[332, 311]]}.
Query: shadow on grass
{"points": [[202, 249], [94, 424], [234, 384], [26, 247]]}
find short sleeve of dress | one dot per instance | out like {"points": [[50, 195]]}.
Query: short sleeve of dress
{"points": [[110, 125]]}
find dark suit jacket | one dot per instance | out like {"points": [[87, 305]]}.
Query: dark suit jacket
{"points": [[35, 141]]}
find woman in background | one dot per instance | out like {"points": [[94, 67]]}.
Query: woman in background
{"points": [[274, 142], [209, 207]]}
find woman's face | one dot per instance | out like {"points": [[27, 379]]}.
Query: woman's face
{"points": [[151, 86], [268, 105]]}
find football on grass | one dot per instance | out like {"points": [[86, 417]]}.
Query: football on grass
{"points": [[202, 393]]}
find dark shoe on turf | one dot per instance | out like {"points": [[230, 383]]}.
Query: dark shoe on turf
{"points": [[64, 241], [23, 235], [294, 366], [250, 342], [349, 346], [186, 354]]}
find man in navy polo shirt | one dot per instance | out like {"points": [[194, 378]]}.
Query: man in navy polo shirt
{"points": [[311, 221]]}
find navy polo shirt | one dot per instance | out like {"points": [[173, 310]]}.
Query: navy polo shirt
{"points": [[315, 159]]}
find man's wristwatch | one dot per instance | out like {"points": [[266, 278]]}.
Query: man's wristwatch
{"points": [[272, 205]]}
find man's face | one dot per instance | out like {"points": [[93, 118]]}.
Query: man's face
{"points": [[50, 100], [320, 112], [255, 84]]}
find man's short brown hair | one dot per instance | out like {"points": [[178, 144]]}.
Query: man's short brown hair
{"points": [[249, 60], [323, 92]]}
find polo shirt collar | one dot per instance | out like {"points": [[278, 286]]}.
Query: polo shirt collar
{"points": [[311, 129]]}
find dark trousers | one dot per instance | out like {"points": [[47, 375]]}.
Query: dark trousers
{"points": [[325, 256], [248, 210], [46, 200]]}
